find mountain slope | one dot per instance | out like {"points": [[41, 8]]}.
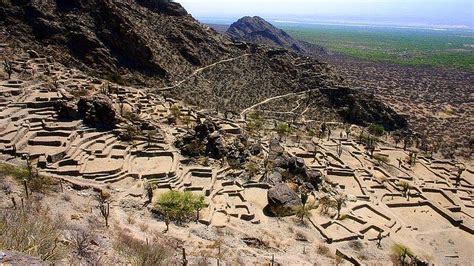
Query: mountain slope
{"points": [[140, 38], [257, 30], [159, 46]]}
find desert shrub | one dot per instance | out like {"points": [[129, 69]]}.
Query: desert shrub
{"points": [[13, 171], [401, 254], [356, 245], [304, 211], [336, 201], [283, 129], [116, 78], [381, 158], [31, 231], [80, 92], [175, 111], [81, 242], [301, 236], [255, 122], [252, 168], [343, 217], [37, 183], [139, 252], [323, 250], [376, 129], [41, 183], [131, 116]]}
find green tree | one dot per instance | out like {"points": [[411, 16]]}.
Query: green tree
{"points": [[178, 206], [198, 205], [376, 130]]}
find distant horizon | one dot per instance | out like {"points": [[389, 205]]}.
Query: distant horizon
{"points": [[436, 14]]}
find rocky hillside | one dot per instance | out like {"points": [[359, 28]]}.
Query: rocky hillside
{"points": [[257, 30], [142, 38], [161, 47]]}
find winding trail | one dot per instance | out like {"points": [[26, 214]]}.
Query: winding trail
{"points": [[197, 71], [246, 110]]}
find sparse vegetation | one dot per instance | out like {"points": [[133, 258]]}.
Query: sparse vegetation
{"points": [[31, 231], [33, 181], [376, 130], [140, 252], [405, 188], [335, 200], [175, 111], [255, 123], [304, 212], [104, 206], [403, 255], [283, 130], [178, 206], [8, 68]]}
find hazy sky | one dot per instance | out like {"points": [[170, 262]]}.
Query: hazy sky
{"points": [[440, 12]]}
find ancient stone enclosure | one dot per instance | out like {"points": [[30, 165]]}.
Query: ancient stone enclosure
{"points": [[438, 198]]}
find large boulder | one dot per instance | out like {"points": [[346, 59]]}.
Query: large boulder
{"points": [[314, 177], [282, 200], [66, 109], [97, 111], [205, 139], [215, 147], [274, 178], [275, 147]]}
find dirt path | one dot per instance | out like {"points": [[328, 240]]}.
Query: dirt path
{"points": [[245, 111], [197, 71]]}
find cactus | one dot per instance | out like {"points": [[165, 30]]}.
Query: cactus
{"points": [[105, 211], [8, 67]]}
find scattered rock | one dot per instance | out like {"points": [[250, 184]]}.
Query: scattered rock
{"points": [[32, 54], [97, 111], [17, 258], [282, 200], [66, 109], [274, 178]]}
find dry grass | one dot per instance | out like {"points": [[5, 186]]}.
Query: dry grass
{"points": [[33, 232], [381, 158], [139, 252], [13, 171], [324, 251], [356, 245], [38, 183], [143, 227]]}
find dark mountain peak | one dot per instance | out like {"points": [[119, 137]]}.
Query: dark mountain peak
{"points": [[258, 30], [164, 6]]}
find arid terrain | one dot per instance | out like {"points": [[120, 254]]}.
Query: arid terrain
{"points": [[293, 166], [437, 102]]}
